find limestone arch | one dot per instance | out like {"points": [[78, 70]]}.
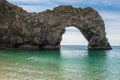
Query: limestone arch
{"points": [[20, 29], [87, 20]]}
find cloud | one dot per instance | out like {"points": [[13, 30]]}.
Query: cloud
{"points": [[112, 25], [112, 21], [29, 1], [110, 16], [34, 8], [97, 4], [34, 5], [73, 36]]}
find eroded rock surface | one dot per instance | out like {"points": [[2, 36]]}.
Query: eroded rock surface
{"points": [[22, 30]]}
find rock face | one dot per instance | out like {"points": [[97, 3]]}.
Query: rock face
{"points": [[22, 30]]}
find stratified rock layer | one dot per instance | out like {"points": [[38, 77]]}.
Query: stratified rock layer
{"points": [[22, 30]]}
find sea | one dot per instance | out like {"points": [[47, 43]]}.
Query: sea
{"points": [[71, 62]]}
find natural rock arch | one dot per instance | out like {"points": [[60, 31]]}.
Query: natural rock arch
{"points": [[22, 30]]}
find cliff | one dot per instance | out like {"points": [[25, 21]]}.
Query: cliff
{"points": [[22, 30]]}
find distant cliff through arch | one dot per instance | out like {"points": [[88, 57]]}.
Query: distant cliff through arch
{"points": [[22, 30]]}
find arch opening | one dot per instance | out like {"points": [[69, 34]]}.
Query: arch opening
{"points": [[73, 36]]}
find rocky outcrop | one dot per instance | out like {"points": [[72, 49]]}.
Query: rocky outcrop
{"points": [[22, 30]]}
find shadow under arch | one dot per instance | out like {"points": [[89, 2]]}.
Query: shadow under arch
{"points": [[97, 53], [96, 65], [83, 64]]}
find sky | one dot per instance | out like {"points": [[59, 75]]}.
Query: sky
{"points": [[108, 9]]}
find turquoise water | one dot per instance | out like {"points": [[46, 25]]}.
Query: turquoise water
{"points": [[70, 63]]}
